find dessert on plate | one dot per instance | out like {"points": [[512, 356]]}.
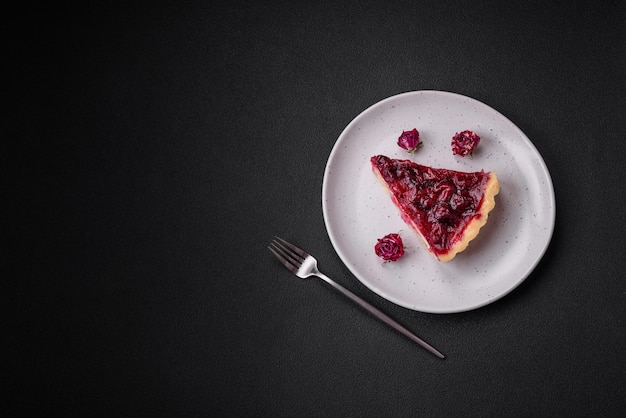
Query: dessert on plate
{"points": [[446, 208]]}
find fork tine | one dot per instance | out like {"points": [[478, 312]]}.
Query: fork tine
{"points": [[286, 251], [297, 250], [282, 259]]}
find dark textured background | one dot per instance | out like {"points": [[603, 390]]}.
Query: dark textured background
{"points": [[153, 150]]}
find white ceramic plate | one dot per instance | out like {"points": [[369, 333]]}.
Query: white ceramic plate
{"points": [[357, 210]]}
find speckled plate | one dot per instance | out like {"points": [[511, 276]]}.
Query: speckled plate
{"points": [[357, 210]]}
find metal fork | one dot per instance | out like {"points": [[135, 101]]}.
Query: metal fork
{"points": [[304, 265]]}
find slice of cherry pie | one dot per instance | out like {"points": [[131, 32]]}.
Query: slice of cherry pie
{"points": [[446, 208]]}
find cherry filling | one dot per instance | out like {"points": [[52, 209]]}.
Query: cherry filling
{"points": [[440, 202]]}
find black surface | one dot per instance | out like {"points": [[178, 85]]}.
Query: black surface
{"points": [[154, 150]]}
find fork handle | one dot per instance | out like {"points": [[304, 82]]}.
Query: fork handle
{"points": [[380, 315]]}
